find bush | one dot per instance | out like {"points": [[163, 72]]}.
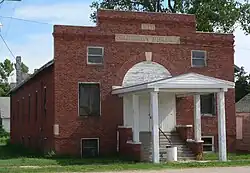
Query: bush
{"points": [[3, 133]]}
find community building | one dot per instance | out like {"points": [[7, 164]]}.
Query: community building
{"points": [[135, 84]]}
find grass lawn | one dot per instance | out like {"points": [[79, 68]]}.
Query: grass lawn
{"points": [[14, 159]]}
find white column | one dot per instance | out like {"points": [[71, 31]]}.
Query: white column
{"points": [[197, 117], [222, 126], [125, 109], [155, 131], [136, 130]]}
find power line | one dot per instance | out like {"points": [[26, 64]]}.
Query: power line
{"points": [[7, 46], [25, 20]]}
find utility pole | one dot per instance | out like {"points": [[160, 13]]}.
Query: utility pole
{"points": [[2, 1]]}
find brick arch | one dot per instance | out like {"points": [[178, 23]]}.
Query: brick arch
{"points": [[158, 58]]}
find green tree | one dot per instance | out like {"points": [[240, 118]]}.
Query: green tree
{"points": [[6, 70], [242, 84], [211, 15]]}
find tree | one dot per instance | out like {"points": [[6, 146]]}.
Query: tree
{"points": [[242, 84], [211, 15], [6, 70]]}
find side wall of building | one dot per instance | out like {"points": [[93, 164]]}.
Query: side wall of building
{"points": [[71, 67], [34, 128], [243, 131]]}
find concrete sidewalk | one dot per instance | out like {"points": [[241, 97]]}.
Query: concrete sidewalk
{"points": [[195, 170]]}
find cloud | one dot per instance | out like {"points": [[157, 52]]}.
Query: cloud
{"points": [[38, 47], [58, 13]]}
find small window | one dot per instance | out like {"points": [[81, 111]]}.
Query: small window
{"points": [[29, 107], [90, 147], [208, 144], [95, 55], [89, 99], [36, 107], [199, 58], [208, 106], [45, 101]]}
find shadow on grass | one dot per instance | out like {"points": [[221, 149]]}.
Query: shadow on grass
{"points": [[18, 155]]}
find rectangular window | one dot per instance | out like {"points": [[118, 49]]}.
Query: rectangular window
{"points": [[45, 101], [208, 144], [18, 110], [36, 107], [208, 104], [90, 147], [29, 107], [95, 55], [199, 58], [23, 109], [89, 99]]}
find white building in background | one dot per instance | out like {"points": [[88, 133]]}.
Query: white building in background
{"points": [[5, 112]]}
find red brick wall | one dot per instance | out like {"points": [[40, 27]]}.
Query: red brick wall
{"points": [[71, 67], [22, 126], [244, 143]]}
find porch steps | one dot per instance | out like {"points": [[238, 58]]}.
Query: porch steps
{"points": [[183, 152]]}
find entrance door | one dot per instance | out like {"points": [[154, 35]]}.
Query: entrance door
{"points": [[145, 118], [167, 112]]}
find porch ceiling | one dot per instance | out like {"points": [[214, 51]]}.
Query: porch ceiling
{"points": [[189, 82]]}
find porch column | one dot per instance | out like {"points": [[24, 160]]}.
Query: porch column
{"points": [[136, 130], [197, 117], [155, 130], [222, 126]]}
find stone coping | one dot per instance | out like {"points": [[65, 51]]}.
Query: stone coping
{"points": [[192, 140], [124, 127], [132, 142]]}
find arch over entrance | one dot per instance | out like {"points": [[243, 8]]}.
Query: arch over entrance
{"points": [[143, 72]]}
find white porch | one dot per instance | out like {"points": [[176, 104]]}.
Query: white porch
{"points": [[156, 100]]}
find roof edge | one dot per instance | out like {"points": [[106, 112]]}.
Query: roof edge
{"points": [[48, 64]]}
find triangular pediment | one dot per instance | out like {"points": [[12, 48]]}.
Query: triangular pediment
{"points": [[192, 80]]}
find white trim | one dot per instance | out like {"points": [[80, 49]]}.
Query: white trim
{"points": [[79, 100], [90, 63], [208, 144], [164, 85], [188, 126], [133, 142], [205, 58], [98, 144], [124, 127]]}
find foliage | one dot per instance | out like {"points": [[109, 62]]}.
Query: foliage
{"points": [[242, 84], [6, 70], [213, 15]]}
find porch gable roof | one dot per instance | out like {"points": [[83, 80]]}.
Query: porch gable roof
{"points": [[184, 81]]}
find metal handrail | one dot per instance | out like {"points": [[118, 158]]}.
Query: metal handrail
{"points": [[165, 136]]}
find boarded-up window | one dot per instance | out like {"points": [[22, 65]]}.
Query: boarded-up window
{"points": [[199, 58], [239, 126], [89, 99], [29, 107], [208, 104], [36, 102]]}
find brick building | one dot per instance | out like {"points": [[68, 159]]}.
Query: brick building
{"points": [[93, 88]]}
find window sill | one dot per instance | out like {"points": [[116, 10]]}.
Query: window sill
{"points": [[208, 115], [95, 64], [88, 116]]}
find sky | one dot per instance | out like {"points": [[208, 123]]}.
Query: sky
{"points": [[34, 41]]}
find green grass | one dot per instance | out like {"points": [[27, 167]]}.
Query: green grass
{"points": [[231, 156], [13, 158]]}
